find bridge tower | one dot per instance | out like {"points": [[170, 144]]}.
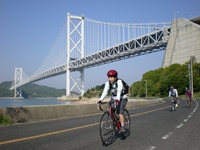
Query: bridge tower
{"points": [[184, 42], [75, 50], [18, 79]]}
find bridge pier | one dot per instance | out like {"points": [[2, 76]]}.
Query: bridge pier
{"points": [[75, 50], [18, 92], [18, 79]]}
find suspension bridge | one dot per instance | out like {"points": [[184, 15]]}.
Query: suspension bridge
{"points": [[84, 43]]}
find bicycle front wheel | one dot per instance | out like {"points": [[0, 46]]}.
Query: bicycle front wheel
{"points": [[127, 123], [107, 131]]}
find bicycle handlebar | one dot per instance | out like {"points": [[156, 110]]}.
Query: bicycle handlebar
{"points": [[99, 105]]}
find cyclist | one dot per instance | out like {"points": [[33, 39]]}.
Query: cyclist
{"points": [[188, 95], [174, 93], [115, 86]]}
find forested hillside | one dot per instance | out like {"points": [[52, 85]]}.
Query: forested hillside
{"points": [[157, 82], [31, 90]]}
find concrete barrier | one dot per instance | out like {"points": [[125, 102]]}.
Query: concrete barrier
{"points": [[39, 113]]}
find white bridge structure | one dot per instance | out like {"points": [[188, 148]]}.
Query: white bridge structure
{"points": [[84, 43]]}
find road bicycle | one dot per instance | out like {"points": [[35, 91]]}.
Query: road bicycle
{"points": [[189, 101], [110, 124], [189, 104], [173, 103]]}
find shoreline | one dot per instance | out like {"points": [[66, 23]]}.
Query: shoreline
{"points": [[2, 98], [95, 100], [77, 100], [11, 98]]}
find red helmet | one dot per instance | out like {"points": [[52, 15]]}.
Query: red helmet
{"points": [[112, 73]]}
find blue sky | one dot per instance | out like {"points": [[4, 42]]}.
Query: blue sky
{"points": [[29, 27]]}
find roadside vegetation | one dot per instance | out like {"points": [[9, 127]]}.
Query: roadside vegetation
{"points": [[156, 83], [5, 120]]}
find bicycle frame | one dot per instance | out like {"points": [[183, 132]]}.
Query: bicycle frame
{"points": [[110, 124], [173, 103], [112, 112], [114, 117]]}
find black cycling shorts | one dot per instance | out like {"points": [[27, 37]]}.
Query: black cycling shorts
{"points": [[122, 105]]}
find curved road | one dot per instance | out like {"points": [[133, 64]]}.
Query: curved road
{"points": [[153, 128]]}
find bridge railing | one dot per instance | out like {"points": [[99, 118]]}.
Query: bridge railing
{"points": [[43, 75], [146, 43]]}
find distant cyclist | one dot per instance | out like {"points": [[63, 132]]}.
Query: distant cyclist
{"points": [[174, 93], [118, 93], [188, 95]]}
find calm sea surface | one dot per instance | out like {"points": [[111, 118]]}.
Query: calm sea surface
{"points": [[31, 102]]}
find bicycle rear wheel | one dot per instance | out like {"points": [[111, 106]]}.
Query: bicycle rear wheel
{"points": [[173, 107], [127, 123], [107, 131], [190, 104]]}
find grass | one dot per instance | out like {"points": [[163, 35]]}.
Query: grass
{"points": [[195, 96], [4, 120]]}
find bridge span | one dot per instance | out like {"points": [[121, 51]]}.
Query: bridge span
{"points": [[154, 39]]}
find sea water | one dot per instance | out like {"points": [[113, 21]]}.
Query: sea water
{"points": [[8, 102]]}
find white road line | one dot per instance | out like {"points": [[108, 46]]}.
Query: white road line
{"points": [[167, 136], [185, 120], [179, 126], [151, 148]]}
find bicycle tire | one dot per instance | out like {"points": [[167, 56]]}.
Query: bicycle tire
{"points": [[127, 123], [190, 104], [172, 107], [107, 129]]}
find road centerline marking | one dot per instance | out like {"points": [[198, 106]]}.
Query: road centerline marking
{"points": [[70, 129]]}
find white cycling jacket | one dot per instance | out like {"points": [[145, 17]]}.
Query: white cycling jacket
{"points": [[116, 91], [173, 92]]}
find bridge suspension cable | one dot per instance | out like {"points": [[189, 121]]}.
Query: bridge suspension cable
{"points": [[57, 52], [102, 35]]}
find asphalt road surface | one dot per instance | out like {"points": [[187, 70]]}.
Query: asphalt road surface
{"points": [[152, 128]]}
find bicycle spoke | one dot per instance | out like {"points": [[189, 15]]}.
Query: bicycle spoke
{"points": [[109, 128], [107, 131], [111, 131], [127, 123]]}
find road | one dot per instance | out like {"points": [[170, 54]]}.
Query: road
{"points": [[152, 128]]}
